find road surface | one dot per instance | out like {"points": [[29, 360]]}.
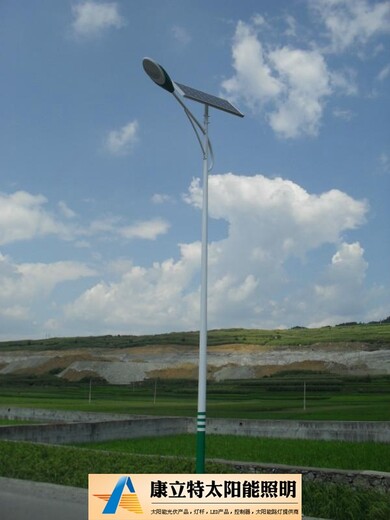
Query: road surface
{"points": [[25, 500]]}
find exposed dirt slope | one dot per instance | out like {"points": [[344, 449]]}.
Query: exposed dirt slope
{"points": [[122, 366]]}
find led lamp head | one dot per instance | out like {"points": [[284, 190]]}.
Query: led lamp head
{"points": [[158, 74]]}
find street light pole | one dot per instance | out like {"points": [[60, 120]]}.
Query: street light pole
{"points": [[202, 377], [159, 75]]}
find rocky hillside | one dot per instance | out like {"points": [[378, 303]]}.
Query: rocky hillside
{"points": [[227, 361]]}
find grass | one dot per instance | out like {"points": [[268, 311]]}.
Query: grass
{"points": [[15, 422], [70, 466], [344, 503], [328, 397], [293, 452], [375, 333], [279, 397]]}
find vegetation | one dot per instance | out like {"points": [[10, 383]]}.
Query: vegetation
{"points": [[14, 422], [375, 333], [70, 466], [278, 397], [293, 452], [344, 503]]}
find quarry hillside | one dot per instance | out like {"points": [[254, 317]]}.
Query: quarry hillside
{"points": [[232, 354]]}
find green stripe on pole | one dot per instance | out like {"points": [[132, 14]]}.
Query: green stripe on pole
{"points": [[201, 421], [200, 451]]}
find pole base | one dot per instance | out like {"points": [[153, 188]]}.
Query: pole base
{"points": [[201, 443]]}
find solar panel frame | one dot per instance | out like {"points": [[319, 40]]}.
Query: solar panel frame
{"points": [[208, 99]]}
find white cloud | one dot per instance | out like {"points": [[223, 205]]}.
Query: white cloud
{"points": [[307, 82], [344, 82], [344, 114], [92, 18], [66, 211], [26, 287], [161, 198], [181, 35], [289, 84], [384, 73], [144, 299], [259, 20], [291, 26], [113, 226], [352, 22], [146, 229], [253, 81], [384, 161], [41, 278], [342, 297], [280, 217], [269, 222], [23, 217], [123, 141], [22, 283]]}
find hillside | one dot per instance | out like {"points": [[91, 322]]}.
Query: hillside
{"points": [[232, 354]]}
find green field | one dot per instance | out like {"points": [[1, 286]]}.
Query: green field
{"points": [[293, 452], [277, 397], [70, 466], [328, 397], [374, 333]]}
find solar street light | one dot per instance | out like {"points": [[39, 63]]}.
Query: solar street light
{"points": [[160, 76]]}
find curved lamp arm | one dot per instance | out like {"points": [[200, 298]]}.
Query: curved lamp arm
{"points": [[160, 76], [195, 123]]}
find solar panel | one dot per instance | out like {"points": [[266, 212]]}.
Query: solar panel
{"points": [[208, 99]]}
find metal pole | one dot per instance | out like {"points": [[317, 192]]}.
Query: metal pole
{"points": [[202, 377]]}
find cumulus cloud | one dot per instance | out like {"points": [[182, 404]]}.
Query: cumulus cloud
{"points": [[24, 285], [144, 298], [340, 297], [254, 80], [23, 217], [352, 22], [123, 141], [26, 281], [146, 229], [307, 84], [90, 18], [269, 221], [289, 84], [114, 226], [162, 198], [40, 278]]}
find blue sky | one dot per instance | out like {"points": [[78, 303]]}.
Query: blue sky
{"points": [[100, 196]]}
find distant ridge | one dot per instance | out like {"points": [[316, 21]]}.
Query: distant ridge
{"points": [[375, 332]]}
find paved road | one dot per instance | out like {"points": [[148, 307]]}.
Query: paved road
{"points": [[25, 500]]}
